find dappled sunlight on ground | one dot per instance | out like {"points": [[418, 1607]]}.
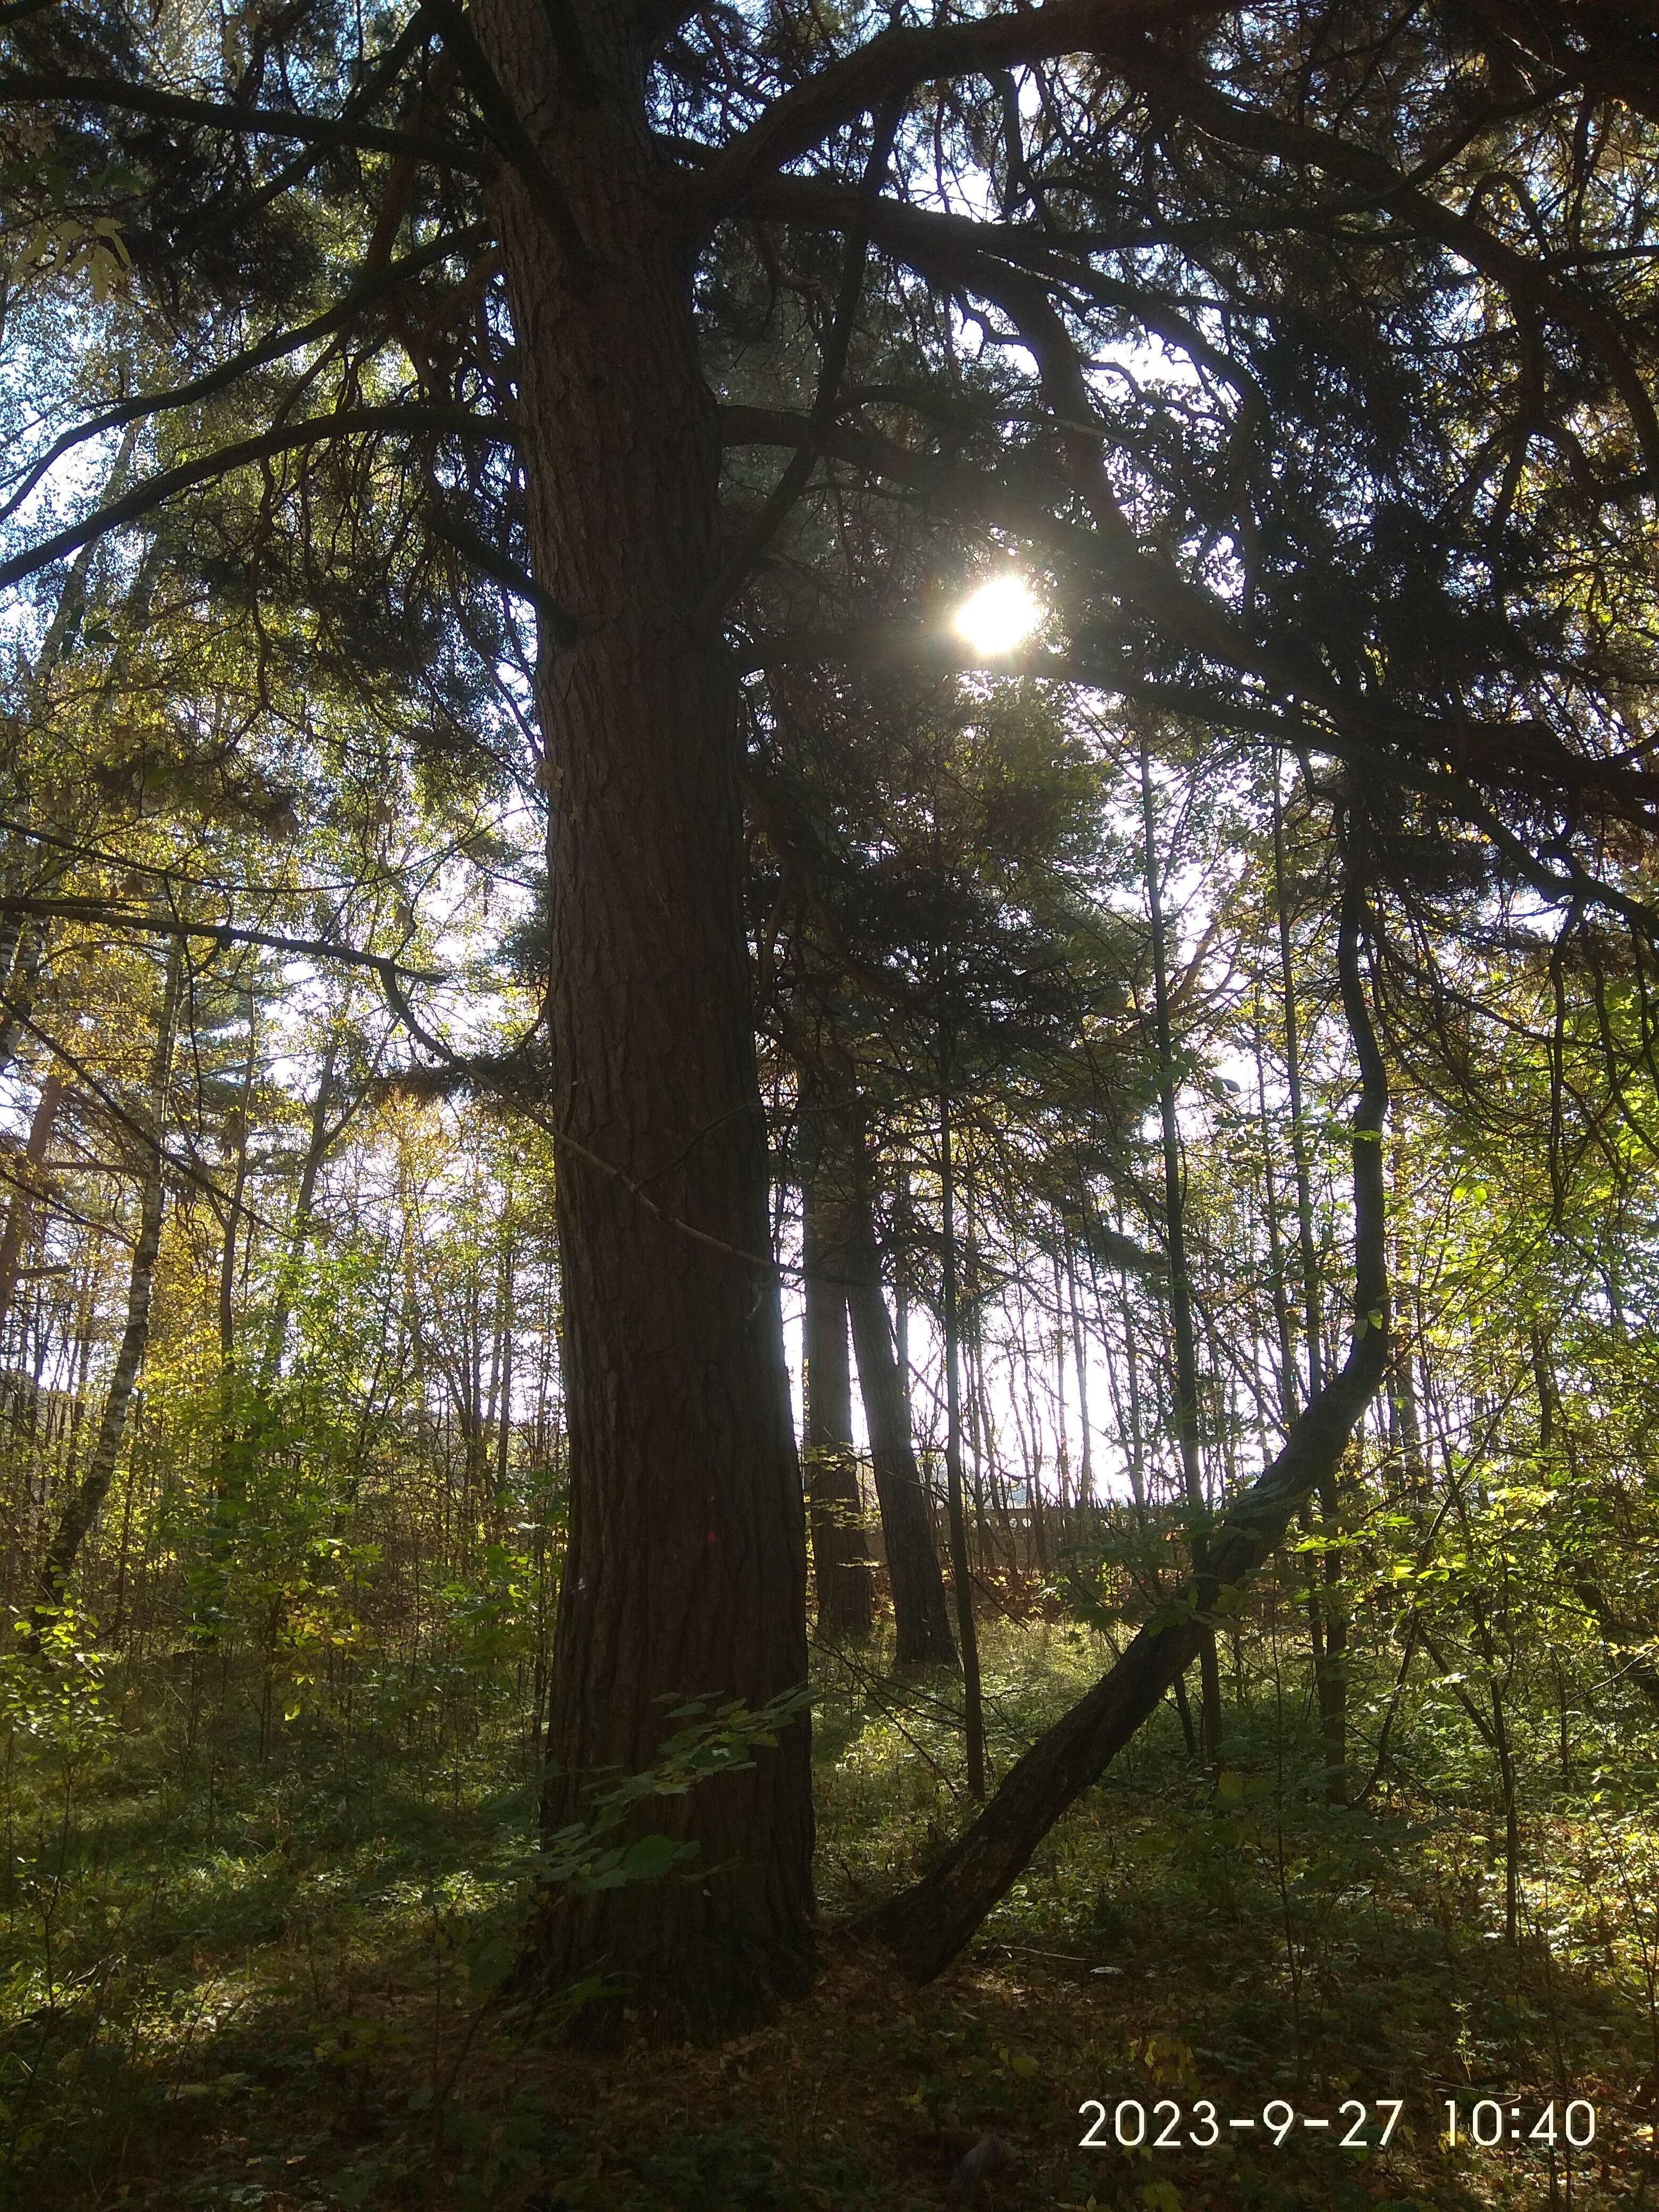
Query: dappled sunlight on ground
{"points": [[279, 1993]]}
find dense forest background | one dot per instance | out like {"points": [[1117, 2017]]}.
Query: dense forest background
{"points": [[828, 1104]]}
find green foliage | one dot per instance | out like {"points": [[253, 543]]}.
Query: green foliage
{"points": [[52, 1705], [189, 1916]]}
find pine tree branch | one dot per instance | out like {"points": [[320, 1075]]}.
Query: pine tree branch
{"points": [[98, 914], [369, 286], [502, 122], [41, 87], [1187, 613], [288, 437], [892, 63], [1531, 291]]}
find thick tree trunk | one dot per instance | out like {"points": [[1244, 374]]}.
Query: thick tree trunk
{"points": [[686, 1572], [921, 1617], [928, 1924], [843, 1582], [86, 1504]]}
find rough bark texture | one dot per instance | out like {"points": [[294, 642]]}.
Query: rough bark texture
{"points": [[843, 1584], [685, 1573], [928, 1924], [921, 1618]]}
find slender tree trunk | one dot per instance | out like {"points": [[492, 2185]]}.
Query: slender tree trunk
{"points": [[1085, 1480], [843, 1583], [1330, 1652], [21, 956], [83, 1507], [968, 1345], [986, 1446], [928, 1924], [902, 1224], [504, 1393], [1288, 1393], [231, 1244], [1510, 1787], [1035, 1505], [1328, 1627], [1062, 1440], [967, 1634], [319, 1136], [686, 1571], [20, 1212], [1306, 1246], [1180, 1290], [1137, 1438], [208, 1609], [921, 1616]]}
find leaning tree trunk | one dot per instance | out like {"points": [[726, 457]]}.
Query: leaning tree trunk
{"points": [[841, 1578], [86, 1501], [928, 1924], [686, 1572]]}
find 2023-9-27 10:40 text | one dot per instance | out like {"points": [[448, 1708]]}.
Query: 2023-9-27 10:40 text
{"points": [[1487, 2123]]}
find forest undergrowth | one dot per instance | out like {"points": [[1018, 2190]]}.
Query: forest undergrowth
{"points": [[258, 1965]]}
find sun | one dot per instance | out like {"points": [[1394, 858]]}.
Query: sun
{"points": [[1001, 614]]}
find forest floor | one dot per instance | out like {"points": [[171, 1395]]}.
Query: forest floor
{"points": [[236, 1980]]}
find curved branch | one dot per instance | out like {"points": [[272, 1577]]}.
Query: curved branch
{"points": [[39, 86], [930, 1922], [1305, 145], [86, 1082], [104, 916], [371, 284], [288, 437], [508, 132], [1189, 616], [892, 63], [389, 973], [934, 242], [832, 368], [561, 628]]}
